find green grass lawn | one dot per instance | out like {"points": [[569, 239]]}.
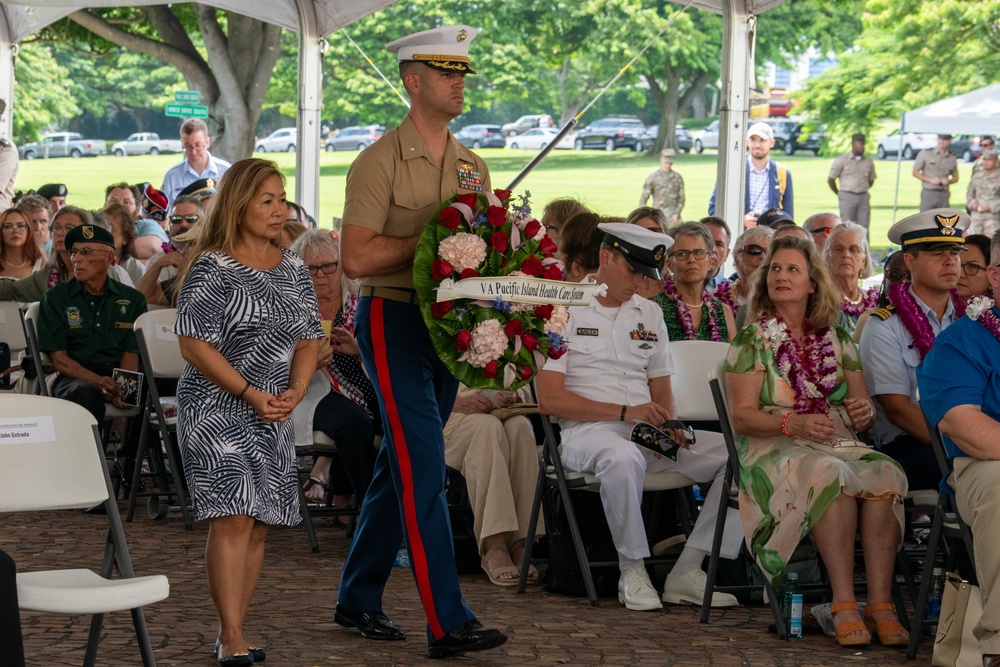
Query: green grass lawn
{"points": [[608, 183]]}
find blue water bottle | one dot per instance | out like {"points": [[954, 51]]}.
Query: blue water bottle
{"points": [[792, 606]]}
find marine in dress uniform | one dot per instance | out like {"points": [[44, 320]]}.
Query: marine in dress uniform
{"points": [[617, 373], [393, 187], [856, 172], [666, 187], [937, 169], [983, 196], [931, 242]]}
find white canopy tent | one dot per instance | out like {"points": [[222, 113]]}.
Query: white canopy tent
{"points": [[975, 112], [313, 19]]}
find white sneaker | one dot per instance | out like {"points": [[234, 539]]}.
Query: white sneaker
{"points": [[636, 592], [689, 588]]}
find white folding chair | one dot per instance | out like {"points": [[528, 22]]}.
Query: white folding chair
{"points": [[42, 440], [694, 361], [161, 357]]}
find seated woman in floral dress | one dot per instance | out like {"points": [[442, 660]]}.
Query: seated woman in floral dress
{"points": [[797, 398], [689, 310]]}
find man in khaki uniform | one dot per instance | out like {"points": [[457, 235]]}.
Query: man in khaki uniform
{"points": [[393, 188], [667, 188], [983, 196], [938, 169], [856, 172]]}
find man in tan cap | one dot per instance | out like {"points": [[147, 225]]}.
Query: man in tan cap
{"points": [[856, 172], [937, 169], [897, 338], [667, 188], [393, 188], [983, 196]]}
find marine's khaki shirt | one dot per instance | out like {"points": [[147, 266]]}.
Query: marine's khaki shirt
{"points": [[935, 165], [393, 188], [855, 174]]}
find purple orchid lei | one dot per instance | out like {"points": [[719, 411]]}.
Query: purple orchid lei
{"points": [[684, 312], [54, 278], [726, 293], [913, 318], [867, 302], [167, 247], [810, 368], [981, 310]]}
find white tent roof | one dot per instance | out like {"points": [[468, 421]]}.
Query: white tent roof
{"points": [[29, 16], [976, 112]]}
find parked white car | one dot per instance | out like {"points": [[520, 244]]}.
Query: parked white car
{"points": [[283, 140], [146, 143], [707, 138], [913, 143], [539, 138]]}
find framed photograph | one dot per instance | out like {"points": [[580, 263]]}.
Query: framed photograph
{"points": [[130, 384]]}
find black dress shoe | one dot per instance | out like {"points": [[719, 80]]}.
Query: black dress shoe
{"points": [[372, 624], [238, 659], [469, 636]]}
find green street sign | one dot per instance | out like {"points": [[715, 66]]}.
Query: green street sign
{"points": [[188, 96], [187, 110]]}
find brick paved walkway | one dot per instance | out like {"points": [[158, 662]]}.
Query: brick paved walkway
{"points": [[291, 615]]}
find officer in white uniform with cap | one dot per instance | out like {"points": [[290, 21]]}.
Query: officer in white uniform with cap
{"points": [[393, 188], [897, 338], [616, 374]]}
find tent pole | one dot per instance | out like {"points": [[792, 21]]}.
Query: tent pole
{"points": [[312, 46], [899, 166], [739, 28], [8, 56]]}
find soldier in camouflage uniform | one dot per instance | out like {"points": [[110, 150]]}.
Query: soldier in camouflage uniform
{"points": [[983, 196], [667, 188]]}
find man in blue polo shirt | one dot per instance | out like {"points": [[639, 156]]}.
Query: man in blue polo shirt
{"points": [[960, 393], [197, 164]]}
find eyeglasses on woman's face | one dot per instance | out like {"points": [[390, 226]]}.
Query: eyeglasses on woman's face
{"points": [[897, 275], [12, 227], [971, 268], [683, 255], [753, 250], [329, 268]]}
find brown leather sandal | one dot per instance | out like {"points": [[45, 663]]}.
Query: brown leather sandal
{"points": [[845, 629], [890, 632]]}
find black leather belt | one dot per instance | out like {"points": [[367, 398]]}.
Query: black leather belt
{"points": [[401, 294]]}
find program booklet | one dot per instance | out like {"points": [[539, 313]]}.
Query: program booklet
{"points": [[655, 440], [130, 384]]}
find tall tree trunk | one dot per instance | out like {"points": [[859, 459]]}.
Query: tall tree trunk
{"points": [[234, 79]]}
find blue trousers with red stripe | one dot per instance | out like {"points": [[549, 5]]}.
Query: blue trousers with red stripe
{"points": [[406, 497]]}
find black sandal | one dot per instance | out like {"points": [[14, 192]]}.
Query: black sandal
{"points": [[315, 481]]}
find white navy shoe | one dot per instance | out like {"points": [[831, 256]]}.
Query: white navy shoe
{"points": [[636, 592], [689, 588]]}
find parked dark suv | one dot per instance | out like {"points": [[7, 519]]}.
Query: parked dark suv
{"points": [[789, 136], [612, 133], [481, 136]]}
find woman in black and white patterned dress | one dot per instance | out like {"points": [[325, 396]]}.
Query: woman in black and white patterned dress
{"points": [[249, 326]]}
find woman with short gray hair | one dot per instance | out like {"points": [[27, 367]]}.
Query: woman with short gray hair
{"points": [[748, 255], [689, 310], [849, 260]]}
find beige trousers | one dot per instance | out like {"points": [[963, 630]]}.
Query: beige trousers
{"points": [[977, 490], [499, 461]]}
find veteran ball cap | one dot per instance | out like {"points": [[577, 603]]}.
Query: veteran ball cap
{"points": [[644, 249], [50, 190], [773, 217], [89, 234], [936, 226], [445, 48], [203, 187]]}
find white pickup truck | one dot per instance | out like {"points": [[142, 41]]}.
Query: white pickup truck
{"points": [[146, 143], [63, 144]]}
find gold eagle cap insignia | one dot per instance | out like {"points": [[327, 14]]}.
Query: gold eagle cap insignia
{"points": [[947, 224], [462, 35], [658, 252]]}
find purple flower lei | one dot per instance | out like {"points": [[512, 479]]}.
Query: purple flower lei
{"points": [[981, 310], [167, 247], [725, 292], [913, 318], [54, 277], [810, 368], [684, 312], [868, 301]]}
